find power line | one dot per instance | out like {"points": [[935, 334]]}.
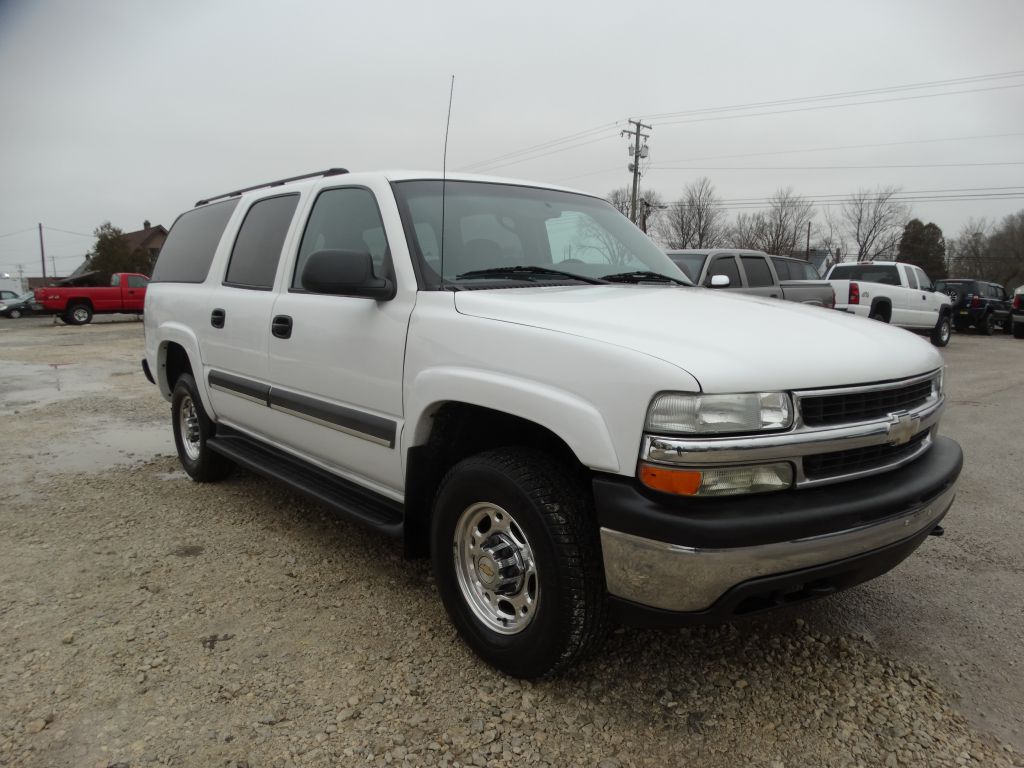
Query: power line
{"points": [[843, 94], [542, 145], [19, 232], [838, 106], [69, 232], [485, 167], [826, 167]]}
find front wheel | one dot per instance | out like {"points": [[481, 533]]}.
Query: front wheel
{"points": [[192, 429], [942, 331], [517, 561], [14, 313]]}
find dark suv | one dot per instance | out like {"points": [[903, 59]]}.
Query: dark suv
{"points": [[984, 306]]}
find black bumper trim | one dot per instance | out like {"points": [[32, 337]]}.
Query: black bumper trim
{"points": [[149, 373], [622, 504]]}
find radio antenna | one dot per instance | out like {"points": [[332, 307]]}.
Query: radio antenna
{"points": [[444, 170]]}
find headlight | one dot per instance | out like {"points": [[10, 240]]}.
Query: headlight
{"points": [[939, 382], [676, 413]]}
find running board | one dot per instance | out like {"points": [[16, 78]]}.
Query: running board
{"points": [[343, 496]]}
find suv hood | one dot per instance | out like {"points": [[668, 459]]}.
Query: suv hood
{"points": [[729, 342]]}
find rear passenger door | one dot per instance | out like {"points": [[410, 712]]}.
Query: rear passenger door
{"points": [[337, 374], [236, 325]]}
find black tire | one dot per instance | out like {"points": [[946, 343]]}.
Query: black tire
{"points": [[879, 313], [942, 331], [1008, 324], [201, 463], [1018, 330], [985, 326], [78, 314], [14, 313], [549, 508]]}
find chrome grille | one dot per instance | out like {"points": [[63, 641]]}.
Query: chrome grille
{"points": [[851, 407]]}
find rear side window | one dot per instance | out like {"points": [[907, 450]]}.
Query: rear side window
{"points": [[137, 281], [258, 245], [191, 243], [758, 274], [345, 219], [782, 270], [887, 274]]}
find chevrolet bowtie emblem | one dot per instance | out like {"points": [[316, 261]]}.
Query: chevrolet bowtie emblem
{"points": [[903, 427]]}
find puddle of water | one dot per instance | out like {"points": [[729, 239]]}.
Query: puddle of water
{"points": [[34, 384], [96, 449]]}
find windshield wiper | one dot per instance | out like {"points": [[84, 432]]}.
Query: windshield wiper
{"points": [[525, 271], [641, 276]]}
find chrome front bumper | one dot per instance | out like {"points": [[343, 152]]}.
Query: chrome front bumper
{"points": [[672, 577]]}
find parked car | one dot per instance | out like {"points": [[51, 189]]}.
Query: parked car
{"points": [[546, 407], [1017, 313], [977, 304], [8, 296], [76, 304], [895, 293], [755, 272], [17, 306]]}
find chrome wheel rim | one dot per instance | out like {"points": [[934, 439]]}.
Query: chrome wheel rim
{"points": [[945, 331], [188, 420], [80, 314], [495, 568]]}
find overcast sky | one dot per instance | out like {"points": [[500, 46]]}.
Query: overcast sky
{"points": [[130, 110]]}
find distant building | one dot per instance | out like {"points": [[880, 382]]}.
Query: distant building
{"points": [[149, 239]]}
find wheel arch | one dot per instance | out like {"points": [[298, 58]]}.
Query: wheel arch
{"points": [[448, 430], [178, 352], [884, 305]]}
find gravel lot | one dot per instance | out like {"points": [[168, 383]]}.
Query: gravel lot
{"points": [[148, 620]]}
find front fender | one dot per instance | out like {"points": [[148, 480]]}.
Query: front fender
{"points": [[577, 422]]}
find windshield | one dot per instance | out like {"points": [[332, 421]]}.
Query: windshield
{"points": [[690, 263], [489, 227]]}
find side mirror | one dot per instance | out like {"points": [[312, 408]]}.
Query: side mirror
{"points": [[719, 281], [345, 273]]}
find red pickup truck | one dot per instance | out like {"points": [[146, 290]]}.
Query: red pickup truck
{"points": [[77, 304]]}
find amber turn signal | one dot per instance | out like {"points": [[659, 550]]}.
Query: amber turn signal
{"points": [[682, 482]]}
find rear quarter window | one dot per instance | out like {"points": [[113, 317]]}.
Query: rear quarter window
{"points": [[187, 253], [191, 243]]}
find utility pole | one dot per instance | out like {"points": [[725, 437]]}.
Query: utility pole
{"points": [[42, 250], [53, 263], [21, 277], [808, 241], [635, 165]]}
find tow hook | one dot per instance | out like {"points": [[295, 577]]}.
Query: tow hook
{"points": [[938, 530]]}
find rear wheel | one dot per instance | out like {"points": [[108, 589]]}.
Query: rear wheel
{"points": [[1008, 324], [192, 429], [880, 313], [942, 331], [517, 561], [1018, 330], [986, 324], [78, 314]]}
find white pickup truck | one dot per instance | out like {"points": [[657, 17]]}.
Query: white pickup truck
{"points": [[516, 382], [895, 293]]}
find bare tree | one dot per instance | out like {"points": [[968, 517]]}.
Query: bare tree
{"points": [[748, 231], [874, 219], [697, 219], [785, 222], [828, 237], [988, 252]]}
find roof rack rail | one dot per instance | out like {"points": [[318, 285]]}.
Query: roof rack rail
{"points": [[236, 193]]}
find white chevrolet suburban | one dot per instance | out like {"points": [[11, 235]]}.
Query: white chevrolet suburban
{"points": [[515, 381]]}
